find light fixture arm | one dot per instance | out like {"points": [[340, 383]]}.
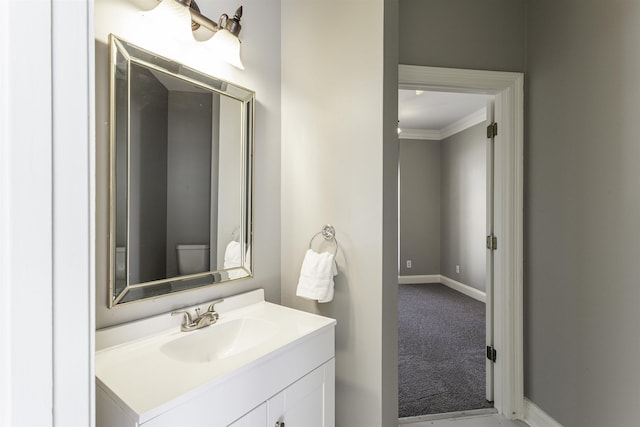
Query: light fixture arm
{"points": [[198, 19], [233, 24]]}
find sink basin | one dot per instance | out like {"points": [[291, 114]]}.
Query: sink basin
{"points": [[220, 340], [149, 367]]}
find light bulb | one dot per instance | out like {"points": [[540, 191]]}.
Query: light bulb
{"points": [[169, 23], [226, 47]]}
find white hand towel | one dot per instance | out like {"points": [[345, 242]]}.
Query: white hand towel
{"points": [[316, 276], [232, 255], [233, 259]]}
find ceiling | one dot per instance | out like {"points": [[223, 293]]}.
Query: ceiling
{"points": [[436, 110]]}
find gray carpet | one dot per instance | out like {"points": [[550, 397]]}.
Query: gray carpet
{"points": [[441, 351]]}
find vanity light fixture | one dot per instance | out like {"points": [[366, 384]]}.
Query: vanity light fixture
{"points": [[225, 42]]}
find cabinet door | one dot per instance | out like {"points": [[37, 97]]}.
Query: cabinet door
{"points": [[309, 402], [255, 418]]}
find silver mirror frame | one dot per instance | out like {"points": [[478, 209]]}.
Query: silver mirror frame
{"points": [[152, 61]]}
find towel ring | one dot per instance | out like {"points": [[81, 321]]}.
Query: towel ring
{"points": [[329, 234]]}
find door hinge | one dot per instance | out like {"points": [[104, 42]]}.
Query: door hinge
{"points": [[492, 130], [491, 353], [492, 242]]}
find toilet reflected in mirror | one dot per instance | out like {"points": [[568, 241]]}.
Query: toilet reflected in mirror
{"points": [[192, 259]]}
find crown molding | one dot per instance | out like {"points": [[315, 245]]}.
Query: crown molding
{"points": [[425, 134], [464, 123], [455, 127]]}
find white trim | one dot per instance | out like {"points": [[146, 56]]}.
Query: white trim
{"points": [[26, 231], [423, 134], [446, 416], [464, 123], [508, 220], [5, 217], [469, 291], [6, 379], [92, 207], [447, 131], [73, 278], [508, 210], [536, 417], [455, 79], [418, 279]]}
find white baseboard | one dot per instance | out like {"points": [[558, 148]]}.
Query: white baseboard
{"points": [[439, 278], [536, 417], [414, 280], [465, 289]]}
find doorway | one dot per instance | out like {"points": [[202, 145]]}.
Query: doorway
{"points": [[445, 171], [506, 343]]}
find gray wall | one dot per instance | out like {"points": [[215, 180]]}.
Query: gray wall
{"points": [[189, 170], [443, 207], [148, 177], [581, 199], [420, 207], [463, 207], [582, 205], [121, 117], [482, 35]]}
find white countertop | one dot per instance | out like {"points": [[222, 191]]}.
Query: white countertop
{"points": [[146, 382]]}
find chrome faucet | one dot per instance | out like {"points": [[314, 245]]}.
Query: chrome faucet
{"points": [[207, 318]]}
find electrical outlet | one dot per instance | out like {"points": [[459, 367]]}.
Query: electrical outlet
{"points": [[408, 263], [458, 269]]}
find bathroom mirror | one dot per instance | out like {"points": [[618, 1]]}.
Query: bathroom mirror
{"points": [[181, 160]]}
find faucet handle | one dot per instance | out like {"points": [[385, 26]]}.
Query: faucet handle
{"points": [[187, 316], [212, 306]]}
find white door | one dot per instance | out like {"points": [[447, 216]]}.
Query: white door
{"points": [[489, 258]]}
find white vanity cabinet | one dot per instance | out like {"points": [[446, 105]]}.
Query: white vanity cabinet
{"points": [[255, 418], [309, 402], [284, 371]]}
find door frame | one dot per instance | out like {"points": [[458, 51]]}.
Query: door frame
{"points": [[507, 88]]}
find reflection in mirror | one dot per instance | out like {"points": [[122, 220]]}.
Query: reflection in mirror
{"points": [[181, 176]]}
